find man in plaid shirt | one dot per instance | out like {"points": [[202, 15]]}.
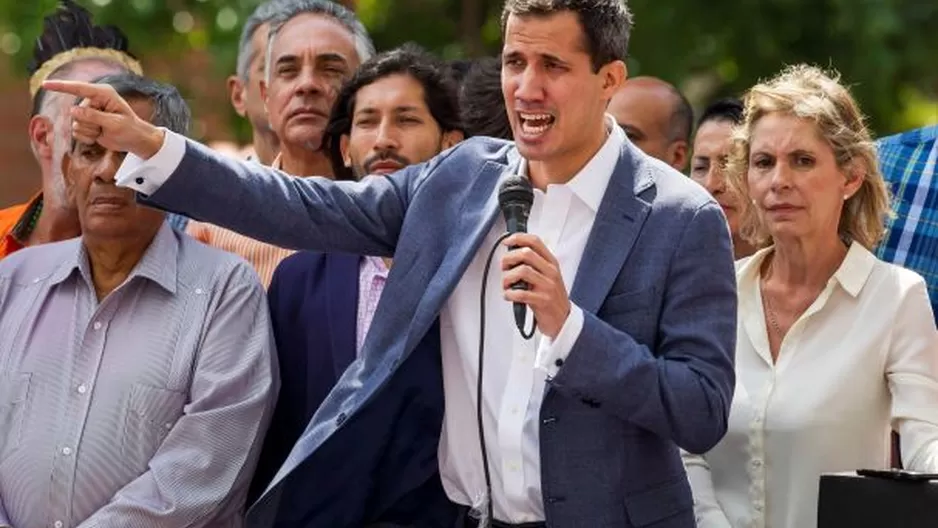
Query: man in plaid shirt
{"points": [[908, 163]]}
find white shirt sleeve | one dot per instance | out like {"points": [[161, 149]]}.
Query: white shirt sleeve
{"points": [[147, 176], [551, 353], [707, 508]]}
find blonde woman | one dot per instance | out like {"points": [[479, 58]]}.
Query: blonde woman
{"points": [[834, 347]]}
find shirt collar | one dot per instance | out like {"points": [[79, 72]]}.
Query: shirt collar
{"points": [[158, 263], [851, 275], [589, 184]]}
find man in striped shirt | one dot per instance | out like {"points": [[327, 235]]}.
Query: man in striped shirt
{"points": [[313, 46], [137, 368]]}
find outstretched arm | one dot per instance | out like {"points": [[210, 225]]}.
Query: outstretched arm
{"points": [[182, 176]]}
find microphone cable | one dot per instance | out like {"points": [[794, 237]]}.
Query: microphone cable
{"points": [[526, 336]]}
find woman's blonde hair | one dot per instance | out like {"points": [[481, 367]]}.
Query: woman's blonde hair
{"points": [[810, 93]]}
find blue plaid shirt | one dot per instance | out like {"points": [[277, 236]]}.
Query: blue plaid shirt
{"points": [[908, 162]]}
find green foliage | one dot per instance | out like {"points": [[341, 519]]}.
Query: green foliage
{"points": [[886, 50]]}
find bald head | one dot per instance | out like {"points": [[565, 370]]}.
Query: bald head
{"points": [[656, 117]]}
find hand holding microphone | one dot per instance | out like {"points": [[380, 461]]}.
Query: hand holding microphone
{"points": [[531, 274]]}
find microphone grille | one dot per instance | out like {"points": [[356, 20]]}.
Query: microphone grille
{"points": [[515, 189]]}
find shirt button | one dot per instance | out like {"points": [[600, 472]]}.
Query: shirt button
{"points": [[97, 325], [514, 411], [198, 291], [558, 363], [82, 389], [58, 524], [66, 451], [757, 463]]}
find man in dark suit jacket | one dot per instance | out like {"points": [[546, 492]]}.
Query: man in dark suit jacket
{"points": [[322, 303], [631, 281]]}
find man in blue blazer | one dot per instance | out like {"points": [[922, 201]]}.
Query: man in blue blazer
{"points": [[630, 278], [397, 110]]}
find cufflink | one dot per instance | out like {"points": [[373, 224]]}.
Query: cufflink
{"points": [[139, 180]]}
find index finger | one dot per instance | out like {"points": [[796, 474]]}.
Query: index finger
{"points": [[77, 88], [531, 241]]}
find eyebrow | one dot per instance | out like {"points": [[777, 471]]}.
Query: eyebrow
{"points": [[368, 110], [544, 56]]}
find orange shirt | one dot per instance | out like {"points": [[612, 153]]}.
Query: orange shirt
{"points": [[15, 225]]}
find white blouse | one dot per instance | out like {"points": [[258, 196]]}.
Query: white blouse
{"points": [[861, 360]]}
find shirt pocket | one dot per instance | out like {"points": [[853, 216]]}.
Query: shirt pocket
{"points": [[150, 416], [14, 395]]}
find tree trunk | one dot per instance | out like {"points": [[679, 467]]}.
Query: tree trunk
{"points": [[471, 27]]}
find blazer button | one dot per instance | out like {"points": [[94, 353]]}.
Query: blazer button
{"points": [[340, 420], [558, 362]]}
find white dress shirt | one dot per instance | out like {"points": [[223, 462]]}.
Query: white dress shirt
{"points": [[861, 360], [515, 369]]}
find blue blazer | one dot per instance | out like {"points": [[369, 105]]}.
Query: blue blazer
{"points": [[314, 311], [651, 371]]}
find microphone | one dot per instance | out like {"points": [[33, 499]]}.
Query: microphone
{"points": [[515, 197]]}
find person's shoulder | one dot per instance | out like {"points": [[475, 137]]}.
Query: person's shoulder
{"points": [[894, 277], [201, 263], [301, 263], [913, 137], [34, 263], [478, 149], [673, 190]]}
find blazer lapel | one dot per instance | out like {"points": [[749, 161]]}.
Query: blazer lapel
{"points": [[476, 217], [342, 287], [618, 224]]}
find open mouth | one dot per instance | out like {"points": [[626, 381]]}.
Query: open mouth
{"points": [[535, 125]]}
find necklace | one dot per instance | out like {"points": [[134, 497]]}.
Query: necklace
{"points": [[770, 311]]}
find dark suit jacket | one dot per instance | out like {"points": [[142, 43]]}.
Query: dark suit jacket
{"points": [[314, 309]]}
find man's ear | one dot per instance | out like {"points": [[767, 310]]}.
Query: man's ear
{"points": [[613, 75], [451, 138], [343, 148], [263, 86], [236, 94], [678, 154], [41, 137]]}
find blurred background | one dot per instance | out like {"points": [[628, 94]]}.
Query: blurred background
{"points": [[886, 50]]}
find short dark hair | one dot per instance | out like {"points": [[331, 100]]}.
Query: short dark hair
{"points": [[457, 69], [409, 59], [71, 26], [169, 108], [681, 124], [481, 103], [726, 109], [606, 24]]}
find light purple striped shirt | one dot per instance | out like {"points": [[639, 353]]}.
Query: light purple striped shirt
{"points": [[372, 276], [145, 409]]}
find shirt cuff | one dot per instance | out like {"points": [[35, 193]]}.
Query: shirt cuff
{"points": [[147, 176], [553, 352]]}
